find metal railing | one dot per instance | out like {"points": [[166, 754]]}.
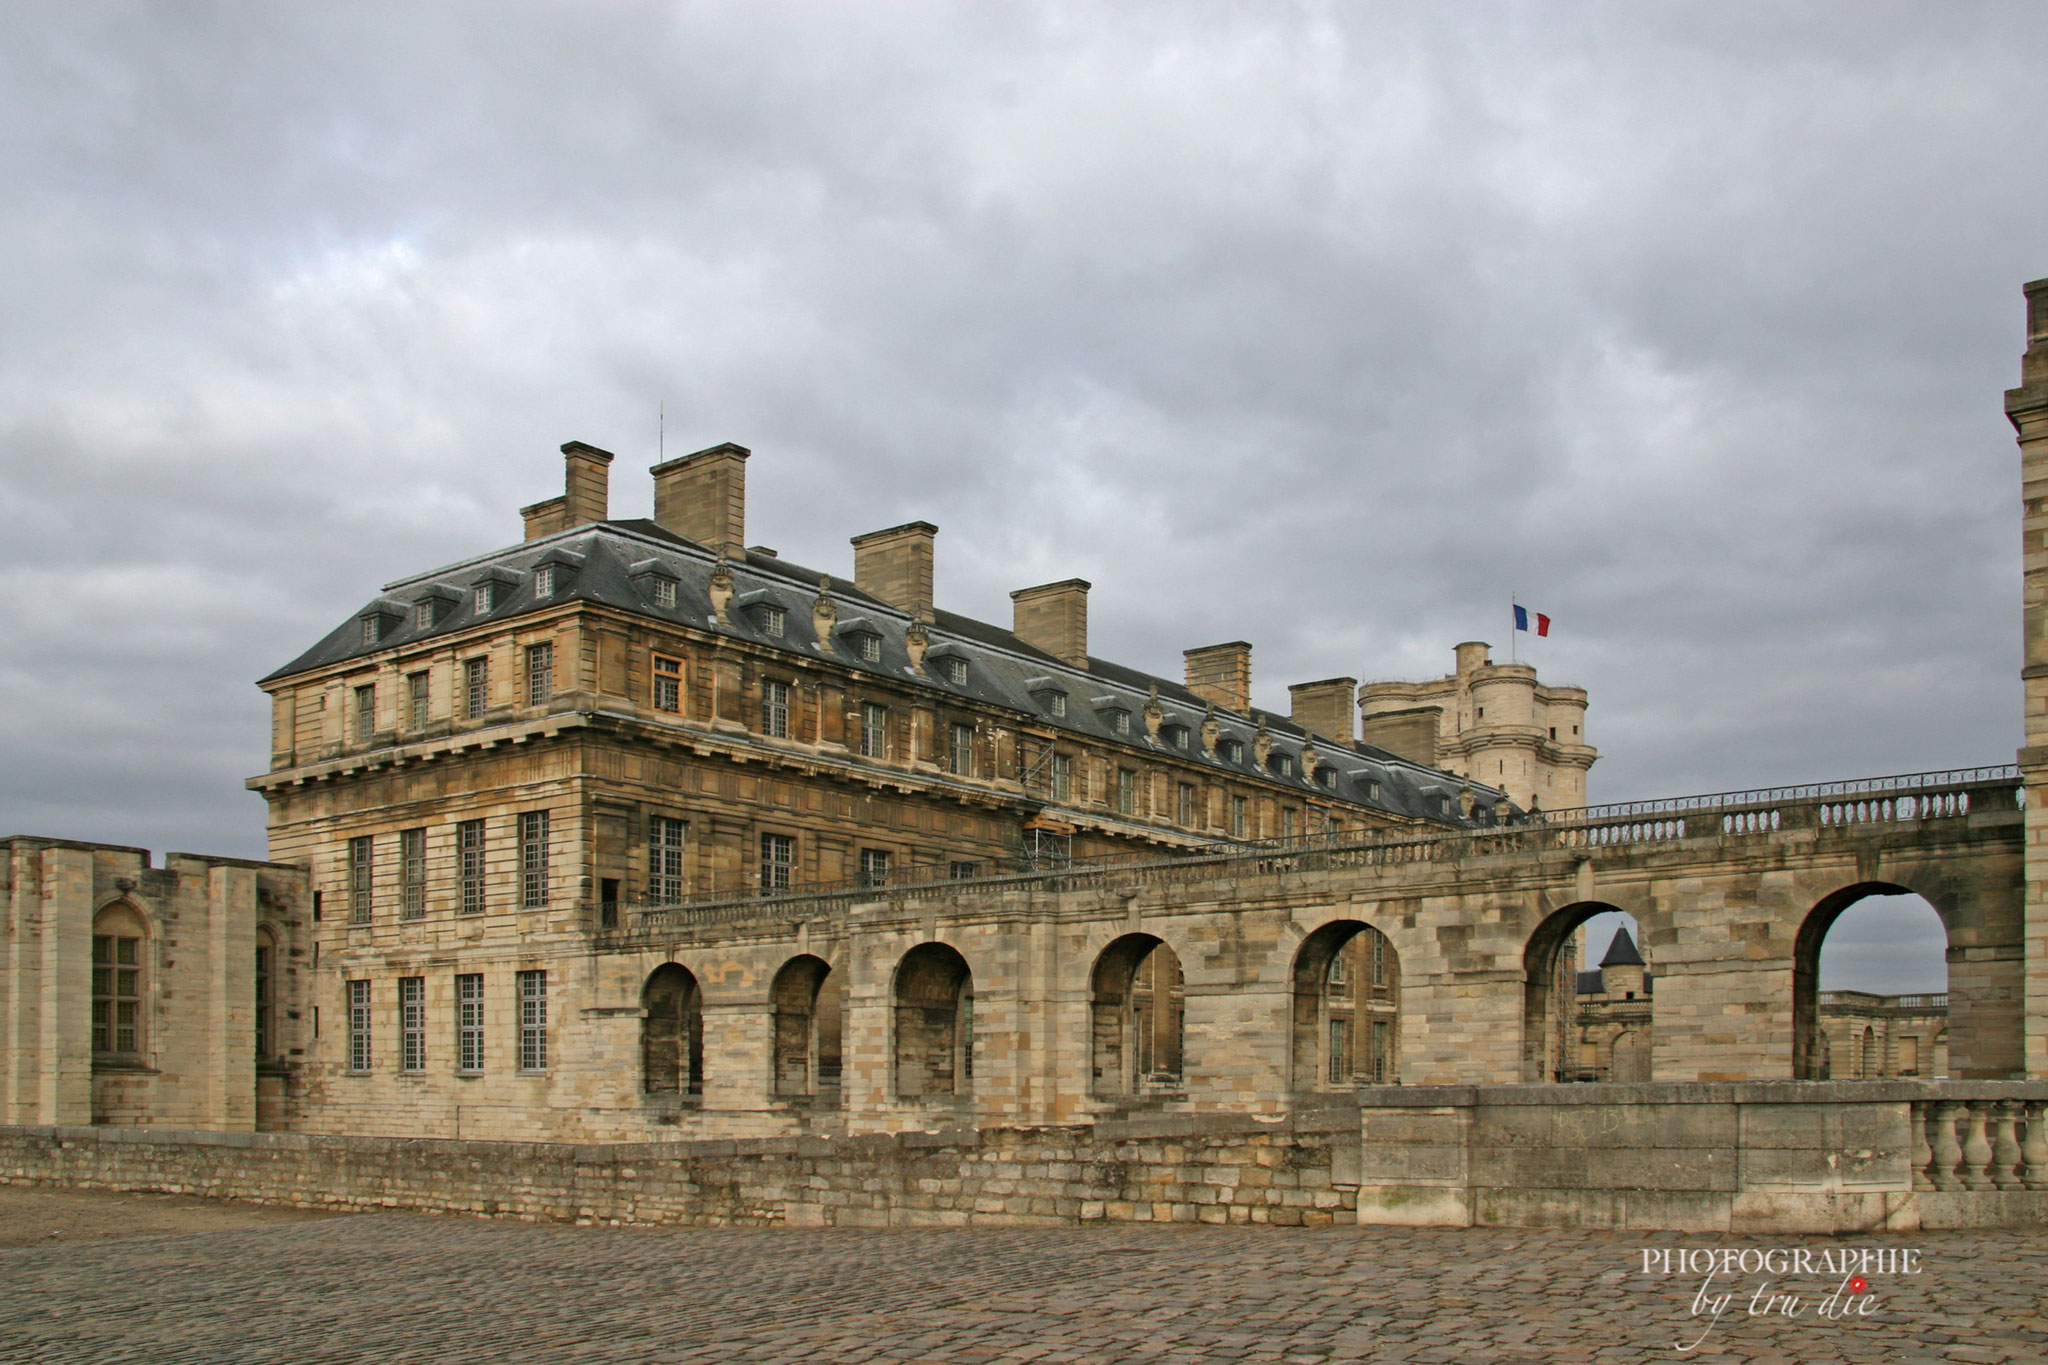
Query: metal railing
{"points": [[1902, 798]]}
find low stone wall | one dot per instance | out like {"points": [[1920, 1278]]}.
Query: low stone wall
{"points": [[1220, 1169], [1787, 1156]]}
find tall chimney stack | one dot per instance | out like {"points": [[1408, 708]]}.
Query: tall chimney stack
{"points": [[703, 497], [587, 482], [1324, 708], [896, 566], [1054, 617], [1222, 674]]}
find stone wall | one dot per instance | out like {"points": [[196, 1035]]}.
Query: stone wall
{"points": [[1209, 1169]]}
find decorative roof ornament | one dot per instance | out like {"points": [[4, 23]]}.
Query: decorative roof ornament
{"points": [[824, 611], [917, 639], [1262, 744], [1210, 731], [1155, 714], [1310, 760], [721, 588]]}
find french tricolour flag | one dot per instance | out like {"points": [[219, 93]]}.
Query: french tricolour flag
{"points": [[1522, 615]]}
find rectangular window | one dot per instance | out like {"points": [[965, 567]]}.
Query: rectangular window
{"points": [[476, 687], [1057, 703], [1382, 1052], [1287, 819], [871, 648], [664, 860], [1240, 817], [469, 1022], [961, 871], [469, 839], [1120, 721], [960, 756], [366, 713], [540, 674], [486, 597], [423, 615], [373, 629], [412, 845], [1126, 792], [533, 859], [774, 621], [361, 851], [954, 670], [358, 1026], [544, 582], [417, 699], [1062, 779], [1340, 1050], [874, 867], [664, 592], [1379, 961], [1187, 804], [1909, 1056], [412, 1023], [266, 998], [778, 856], [874, 730], [775, 709], [533, 1021], [668, 684], [116, 993]]}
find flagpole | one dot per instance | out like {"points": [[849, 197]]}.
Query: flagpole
{"points": [[1513, 643]]}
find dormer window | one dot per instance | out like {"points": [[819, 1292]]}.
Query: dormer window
{"points": [[544, 582], [373, 629], [423, 615], [774, 621], [486, 597], [1372, 788], [1326, 777], [870, 647], [664, 592], [1056, 703], [953, 669], [1283, 764], [1120, 721], [1230, 750], [1176, 737]]}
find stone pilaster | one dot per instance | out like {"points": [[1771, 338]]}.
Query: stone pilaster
{"points": [[2027, 408]]}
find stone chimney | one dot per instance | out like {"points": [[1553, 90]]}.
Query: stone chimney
{"points": [[1222, 674], [703, 497], [896, 566], [1324, 708], [586, 498], [1054, 617], [546, 518]]}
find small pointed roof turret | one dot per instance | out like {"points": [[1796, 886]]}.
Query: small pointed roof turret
{"points": [[1622, 951]]}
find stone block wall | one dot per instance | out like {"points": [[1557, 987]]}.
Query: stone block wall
{"points": [[1210, 1169]]}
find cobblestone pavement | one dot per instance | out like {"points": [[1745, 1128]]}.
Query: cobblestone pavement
{"points": [[402, 1288]]}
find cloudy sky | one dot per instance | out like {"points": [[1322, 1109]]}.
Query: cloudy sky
{"points": [[1327, 327]]}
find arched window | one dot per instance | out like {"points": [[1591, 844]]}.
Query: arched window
{"points": [[1138, 1012], [1877, 938], [807, 1002], [934, 1022], [119, 983], [672, 1033], [1347, 1009]]}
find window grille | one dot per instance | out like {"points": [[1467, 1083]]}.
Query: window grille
{"points": [[361, 852], [960, 756], [366, 713], [775, 709], [664, 860], [469, 836], [668, 684], [476, 682], [533, 859], [874, 730], [358, 1026], [412, 846], [533, 1021], [412, 1023], [778, 855], [469, 1022], [874, 867], [116, 994], [540, 674], [418, 699]]}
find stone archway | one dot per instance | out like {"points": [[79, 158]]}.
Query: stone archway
{"points": [[1346, 1022], [1137, 1016], [934, 1018], [672, 1033], [806, 1003], [1550, 1000]]}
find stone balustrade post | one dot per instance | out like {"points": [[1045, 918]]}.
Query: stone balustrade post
{"points": [[2034, 1150], [1948, 1153], [2005, 1147], [1977, 1151]]}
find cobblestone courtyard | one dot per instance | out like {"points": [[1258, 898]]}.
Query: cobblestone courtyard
{"points": [[403, 1287]]}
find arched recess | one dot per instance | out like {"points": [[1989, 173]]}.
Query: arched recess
{"points": [[266, 993], [934, 1018], [1347, 1009], [120, 986], [1631, 1059], [1553, 1016], [1137, 1018], [672, 1032], [1812, 1058], [806, 1000]]}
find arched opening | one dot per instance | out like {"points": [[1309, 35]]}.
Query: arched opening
{"points": [[1138, 1017], [1347, 1009], [1586, 997], [806, 1001], [672, 1033], [120, 937], [1869, 986], [934, 997], [266, 994]]}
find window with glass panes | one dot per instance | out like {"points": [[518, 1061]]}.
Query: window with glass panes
{"points": [[1126, 791], [266, 997], [116, 994], [778, 857], [874, 867], [664, 860], [668, 684], [533, 1021], [540, 674], [416, 700], [960, 755], [412, 845], [476, 687], [1340, 1049], [533, 859], [1187, 804], [469, 1021], [412, 1023], [874, 729], [469, 840], [1062, 777], [775, 709], [664, 592], [361, 850], [358, 1026], [366, 712], [1240, 816]]}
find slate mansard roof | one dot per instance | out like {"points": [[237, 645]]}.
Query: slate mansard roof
{"points": [[619, 563]]}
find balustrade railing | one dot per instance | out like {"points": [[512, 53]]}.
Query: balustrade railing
{"points": [[1980, 1144]]}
